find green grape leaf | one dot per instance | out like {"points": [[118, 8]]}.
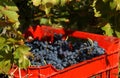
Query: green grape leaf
{"points": [[44, 21], [20, 56], [63, 2], [12, 8], [12, 15], [5, 59], [9, 5], [1, 14], [108, 30], [5, 65], [113, 5], [11, 40], [2, 42], [118, 4], [53, 2], [36, 2], [16, 24], [47, 10], [61, 19], [1, 7], [96, 12], [117, 33]]}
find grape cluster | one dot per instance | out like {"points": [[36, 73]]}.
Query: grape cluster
{"points": [[62, 53], [3, 76]]}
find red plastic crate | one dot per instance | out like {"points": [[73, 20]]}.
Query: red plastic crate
{"points": [[33, 72], [104, 66]]}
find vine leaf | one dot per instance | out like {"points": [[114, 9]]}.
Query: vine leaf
{"points": [[36, 2], [117, 33], [63, 2], [112, 5], [12, 15], [5, 57], [20, 56], [115, 4], [1, 15], [118, 4], [9, 5], [54, 2], [5, 64], [44, 21], [108, 30], [12, 8], [2, 42], [96, 12]]}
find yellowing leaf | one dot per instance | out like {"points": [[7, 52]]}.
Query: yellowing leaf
{"points": [[36, 2], [63, 2], [16, 24], [12, 8], [54, 2], [12, 15], [108, 30], [96, 13], [47, 10], [118, 4], [115, 4]]}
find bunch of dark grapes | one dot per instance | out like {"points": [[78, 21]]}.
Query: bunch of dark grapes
{"points": [[62, 53], [3, 76]]}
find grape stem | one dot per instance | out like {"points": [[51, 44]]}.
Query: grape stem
{"points": [[90, 41], [20, 73]]}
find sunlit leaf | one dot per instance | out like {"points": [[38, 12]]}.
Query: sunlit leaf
{"points": [[47, 10], [117, 33], [49, 5], [12, 8], [96, 12], [5, 66], [20, 56], [44, 21], [108, 30], [36, 2], [16, 24], [9, 5], [63, 2], [54, 2], [118, 4], [12, 15]]}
